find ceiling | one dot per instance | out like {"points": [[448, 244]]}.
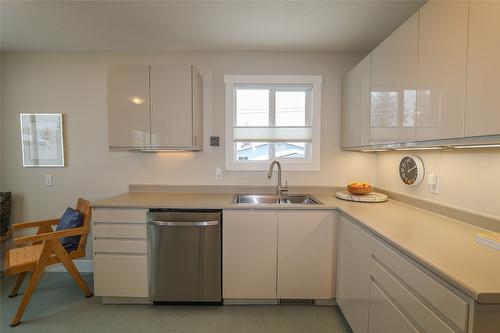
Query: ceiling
{"points": [[349, 25]]}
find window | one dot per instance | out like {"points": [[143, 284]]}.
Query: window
{"points": [[273, 118]]}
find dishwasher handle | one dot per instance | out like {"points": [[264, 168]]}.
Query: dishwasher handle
{"points": [[184, 224]]}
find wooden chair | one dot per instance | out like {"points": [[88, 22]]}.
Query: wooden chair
{"points": [[45, 249]]}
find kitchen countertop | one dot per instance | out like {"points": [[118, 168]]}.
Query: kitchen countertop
{"points": [[441, 244]]}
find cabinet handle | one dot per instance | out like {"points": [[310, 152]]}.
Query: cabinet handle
{"points": [[184, 224]]}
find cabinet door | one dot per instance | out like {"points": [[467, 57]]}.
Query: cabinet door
{"points": [[355, 118], [128, 106], [353, 274], [305, 254], [384, 316], [121, 275], [482, 116], [249, 254], [171, 107], [442, 61], [394, 85]]}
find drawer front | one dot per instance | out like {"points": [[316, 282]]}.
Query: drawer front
{"points": [[411, 305], [119, 215], [108, 245], [445, 301], [119, 230], [385, 316], [121, 275]]}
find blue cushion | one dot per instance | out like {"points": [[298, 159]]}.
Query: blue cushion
{"points": [[70, 219]]}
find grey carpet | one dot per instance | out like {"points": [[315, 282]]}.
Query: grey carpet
{"points": [[59, 306]]}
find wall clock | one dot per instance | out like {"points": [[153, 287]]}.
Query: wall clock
{"points": [[411, 170]]}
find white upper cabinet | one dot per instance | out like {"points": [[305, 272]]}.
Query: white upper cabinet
{"points": [[128, 106], [155, 107], [442, 63], [394, 85], [482, 116], [356, 86], [172, 107]]}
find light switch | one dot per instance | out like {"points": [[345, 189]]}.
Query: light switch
{"points": [[218, 174], [433, 181], [48, 180]]}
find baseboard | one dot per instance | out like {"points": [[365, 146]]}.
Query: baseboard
{"points": [[246, 301], [83, 265], [125, 300]]}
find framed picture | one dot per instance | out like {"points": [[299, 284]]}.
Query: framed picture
{"points": [[42, 140]]}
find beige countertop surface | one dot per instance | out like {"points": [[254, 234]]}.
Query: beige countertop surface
{"points": [[443, 245]]}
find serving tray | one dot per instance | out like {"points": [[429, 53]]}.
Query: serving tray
{"points": [[371, 197]]}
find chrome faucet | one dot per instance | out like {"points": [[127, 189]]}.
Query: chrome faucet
{"points": [[279, 188]]}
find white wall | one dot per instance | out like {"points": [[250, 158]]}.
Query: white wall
{"points": [[75, 84], [468, 179]]}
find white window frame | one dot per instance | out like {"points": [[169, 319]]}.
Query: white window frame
{"points": [[315, 81]]}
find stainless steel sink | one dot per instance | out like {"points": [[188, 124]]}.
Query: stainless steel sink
{"points": [[262, 199]]}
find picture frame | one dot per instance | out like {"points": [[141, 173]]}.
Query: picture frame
{"points": [[42, 140]]}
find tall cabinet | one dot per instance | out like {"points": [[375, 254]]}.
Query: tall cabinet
{"points": [[155, 107]]}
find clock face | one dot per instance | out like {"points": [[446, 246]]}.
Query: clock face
{"points": [[411, 170]]}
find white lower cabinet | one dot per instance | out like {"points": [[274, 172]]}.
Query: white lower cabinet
{"points": [[120, 275], [271, 254], [120, 253], [380, 290], [305, 254], [353, 275], [384, 315], [249, 242]]}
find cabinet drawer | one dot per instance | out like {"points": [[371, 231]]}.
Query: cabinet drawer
{"points": [[385, 316], [119, 230], [119, 215], [440, 297], [138, 246], [411, 305], [121, 275]]}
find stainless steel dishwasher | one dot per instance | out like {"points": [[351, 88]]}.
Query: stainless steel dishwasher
{"points": [[185, 256]]}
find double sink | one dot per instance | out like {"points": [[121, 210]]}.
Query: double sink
{"points": [[266, 199]]}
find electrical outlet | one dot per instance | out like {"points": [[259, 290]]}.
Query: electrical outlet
{"points": [[218, 174], [48, 180]]}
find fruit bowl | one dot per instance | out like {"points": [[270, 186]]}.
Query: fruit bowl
{"points": [[359, 188]]}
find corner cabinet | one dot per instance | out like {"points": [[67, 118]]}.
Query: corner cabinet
{"points": [[155, 108], [270, 255], [381, 290]]}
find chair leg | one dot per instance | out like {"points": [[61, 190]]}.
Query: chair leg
{"points": [[35, 277], [63, 256], [17, 285]]}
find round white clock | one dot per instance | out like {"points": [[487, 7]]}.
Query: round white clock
{"points": [[411, 170]]}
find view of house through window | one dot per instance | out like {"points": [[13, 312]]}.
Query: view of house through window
{"points": [[271, 107]]}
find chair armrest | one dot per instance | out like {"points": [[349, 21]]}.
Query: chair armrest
{"points": [[17, 226], [53, 235]]}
